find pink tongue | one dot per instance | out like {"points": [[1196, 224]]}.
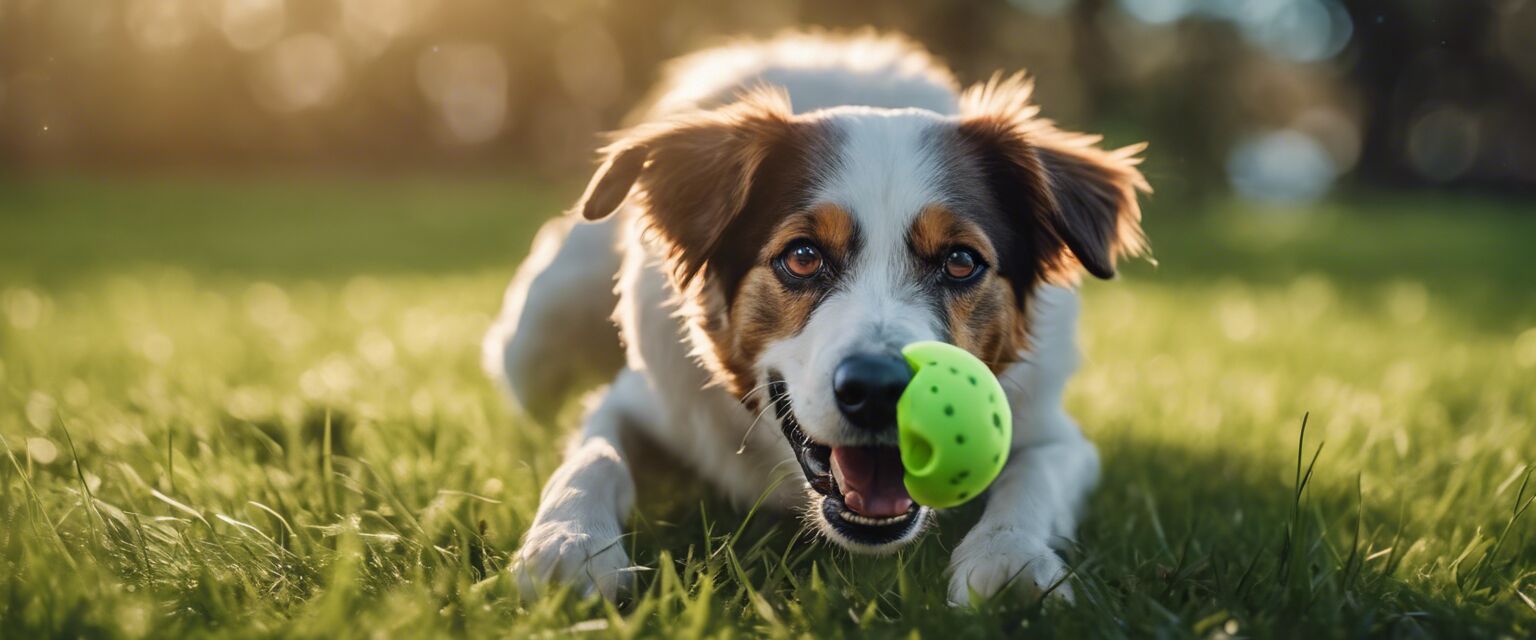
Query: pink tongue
{"points": [[871, 482]]}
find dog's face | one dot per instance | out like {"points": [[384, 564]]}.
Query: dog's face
{"points": [[809, 249]]}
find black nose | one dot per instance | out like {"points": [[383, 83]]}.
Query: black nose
{"points": [[867, 386]]}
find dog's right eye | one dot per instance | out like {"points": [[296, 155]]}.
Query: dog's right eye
{"points": [[801, 260]]}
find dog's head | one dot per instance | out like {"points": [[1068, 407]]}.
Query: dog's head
{"points": [[810, 248]]}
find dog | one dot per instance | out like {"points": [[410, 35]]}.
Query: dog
{"points": [[755, 251]]}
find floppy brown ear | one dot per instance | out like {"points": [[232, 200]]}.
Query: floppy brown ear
{"points": [[694, 173], [1095, 192], [1082, 194], [612, 182]]}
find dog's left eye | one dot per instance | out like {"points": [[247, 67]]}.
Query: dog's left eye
{"points": [[801, 260], [962, 265]]}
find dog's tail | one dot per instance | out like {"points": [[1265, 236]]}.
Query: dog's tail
{"points": [[555, 335]]}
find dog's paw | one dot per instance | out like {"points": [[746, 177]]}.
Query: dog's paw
{"points": [[990, 560], [589, 559]]}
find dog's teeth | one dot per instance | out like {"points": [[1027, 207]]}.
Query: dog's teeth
{"points": [[871, 522], [837, 474]]}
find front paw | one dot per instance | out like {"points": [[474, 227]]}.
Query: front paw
{"points": [[991, 560], [586, 557]]}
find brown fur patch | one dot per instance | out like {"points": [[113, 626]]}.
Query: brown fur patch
{"points": [[937, 229], [764, 310], [983, 318]]}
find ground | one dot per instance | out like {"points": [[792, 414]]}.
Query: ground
{"points": [[253, 408]]}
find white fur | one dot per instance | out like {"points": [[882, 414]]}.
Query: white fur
{"points": [[886, 176], [820, 72], [539, 352]]}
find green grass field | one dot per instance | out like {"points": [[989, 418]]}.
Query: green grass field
{"points": [[253, 409]]}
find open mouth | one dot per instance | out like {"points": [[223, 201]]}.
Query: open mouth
{"points": [[862, 494]]}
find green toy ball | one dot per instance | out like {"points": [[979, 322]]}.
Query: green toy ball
{"points": [[953, 424]]}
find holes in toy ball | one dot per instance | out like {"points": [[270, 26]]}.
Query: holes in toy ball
{"points": [[997, 422], [963, 495], [934, 389], [916, 453], [973, 381], [949, 410], [954, 371], [959, 439]]}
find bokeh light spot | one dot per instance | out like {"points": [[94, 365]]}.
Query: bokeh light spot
{"points": [[1238, 317], [40, 410], [42, 450], [1525, 349], [467, 84], [1281, 166], [371, 25], [1302, 30], [157, 347], [267, 305], [252, 24], [23, 307], [1407, 302], [1310, 297], [1157, 11], [300, 72], [160, 24], [1443, 142]]}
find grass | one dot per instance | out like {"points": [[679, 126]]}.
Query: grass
{"points": [[253, 409]]}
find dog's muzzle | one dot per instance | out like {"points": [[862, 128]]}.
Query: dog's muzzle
{"points": [[863, 500]]}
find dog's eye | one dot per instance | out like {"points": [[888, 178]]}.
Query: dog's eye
{"points": [[961, 265], [802, 260]]}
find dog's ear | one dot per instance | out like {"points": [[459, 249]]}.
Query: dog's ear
{"points": [[1080, 198], [694, 172]]}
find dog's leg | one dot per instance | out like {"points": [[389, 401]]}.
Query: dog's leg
{"points": [[1032, 508], [555, 335], [576, 537]]}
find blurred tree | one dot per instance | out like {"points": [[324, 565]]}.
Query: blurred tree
{"points": [[1411, 60], [1441, 92]]}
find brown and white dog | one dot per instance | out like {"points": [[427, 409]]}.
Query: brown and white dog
{"points": [[786, 217]]}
